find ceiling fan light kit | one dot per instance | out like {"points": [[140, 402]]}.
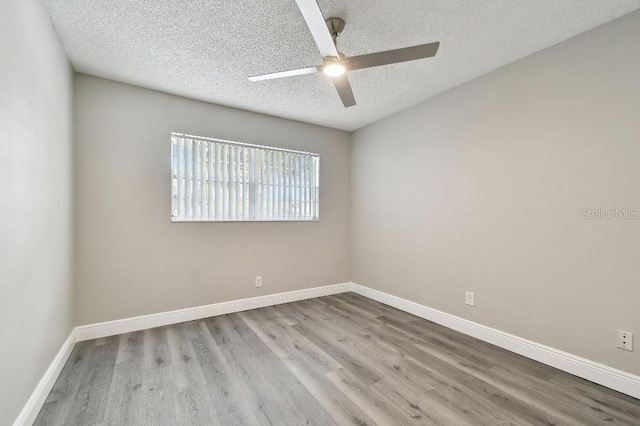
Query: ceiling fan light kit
{"points": [[333, 68], [335, 65]]}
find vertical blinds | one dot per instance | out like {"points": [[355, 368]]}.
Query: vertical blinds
{"points": [[216, 180]]}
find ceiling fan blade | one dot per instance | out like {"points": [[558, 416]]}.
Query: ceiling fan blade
{"points": [[318, 27], [344, 90], [282, 74], [392, 56]]}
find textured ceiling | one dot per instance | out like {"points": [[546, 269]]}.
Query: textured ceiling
{"points": [[206, 49]]}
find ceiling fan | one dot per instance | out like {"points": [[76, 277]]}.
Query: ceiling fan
{"points": [[335, 64]]}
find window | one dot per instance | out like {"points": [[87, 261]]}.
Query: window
{"points": [[217, 180]]}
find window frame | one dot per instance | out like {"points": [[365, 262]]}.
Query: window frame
{"points": [[252, 184]]}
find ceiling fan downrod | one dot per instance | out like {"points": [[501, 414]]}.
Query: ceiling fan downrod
{"points": [[335, 26]]}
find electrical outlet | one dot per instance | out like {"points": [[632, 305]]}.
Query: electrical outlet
{"points": [[470, 298], [625, 340], [258, 282]]}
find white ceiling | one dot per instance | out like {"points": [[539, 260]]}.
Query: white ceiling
{"points": [[206, 49]]}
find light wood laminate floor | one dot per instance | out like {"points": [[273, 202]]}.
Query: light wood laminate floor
{"points": [[340, 359]]}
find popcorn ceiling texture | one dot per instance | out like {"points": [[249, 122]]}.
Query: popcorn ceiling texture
{"points": [[206, 49]]}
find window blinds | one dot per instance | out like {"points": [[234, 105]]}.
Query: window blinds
{"points": [[217, 180]]}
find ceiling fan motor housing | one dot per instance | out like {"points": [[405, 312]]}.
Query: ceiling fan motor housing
{"points": [[335, 25]]}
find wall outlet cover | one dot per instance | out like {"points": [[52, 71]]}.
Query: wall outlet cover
{"points": [[624, 340], [470, 298]]}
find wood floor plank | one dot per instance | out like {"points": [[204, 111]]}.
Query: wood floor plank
{"points": [[192, 405], [350, 361], [553, 406], [62, 395], [492, 396], [369, 399], [225, 389], [130, 347], [419, 406], [600, 399], [142, 386], [559, 398], [91, 400], [341, 359], [309, 366], [155, 349], [449, 390], [354, 310], [271, 385], [285, 341], [379, 309]]}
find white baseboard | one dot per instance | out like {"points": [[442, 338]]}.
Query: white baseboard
{"points": [[127, 325], [31, 409], [618, 380]]}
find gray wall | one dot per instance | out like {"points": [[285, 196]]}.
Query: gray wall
{"points": [[36, 201], [131, 260], [481, 189]]}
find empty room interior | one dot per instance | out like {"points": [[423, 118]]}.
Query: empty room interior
{"points": [[298, 212]]}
